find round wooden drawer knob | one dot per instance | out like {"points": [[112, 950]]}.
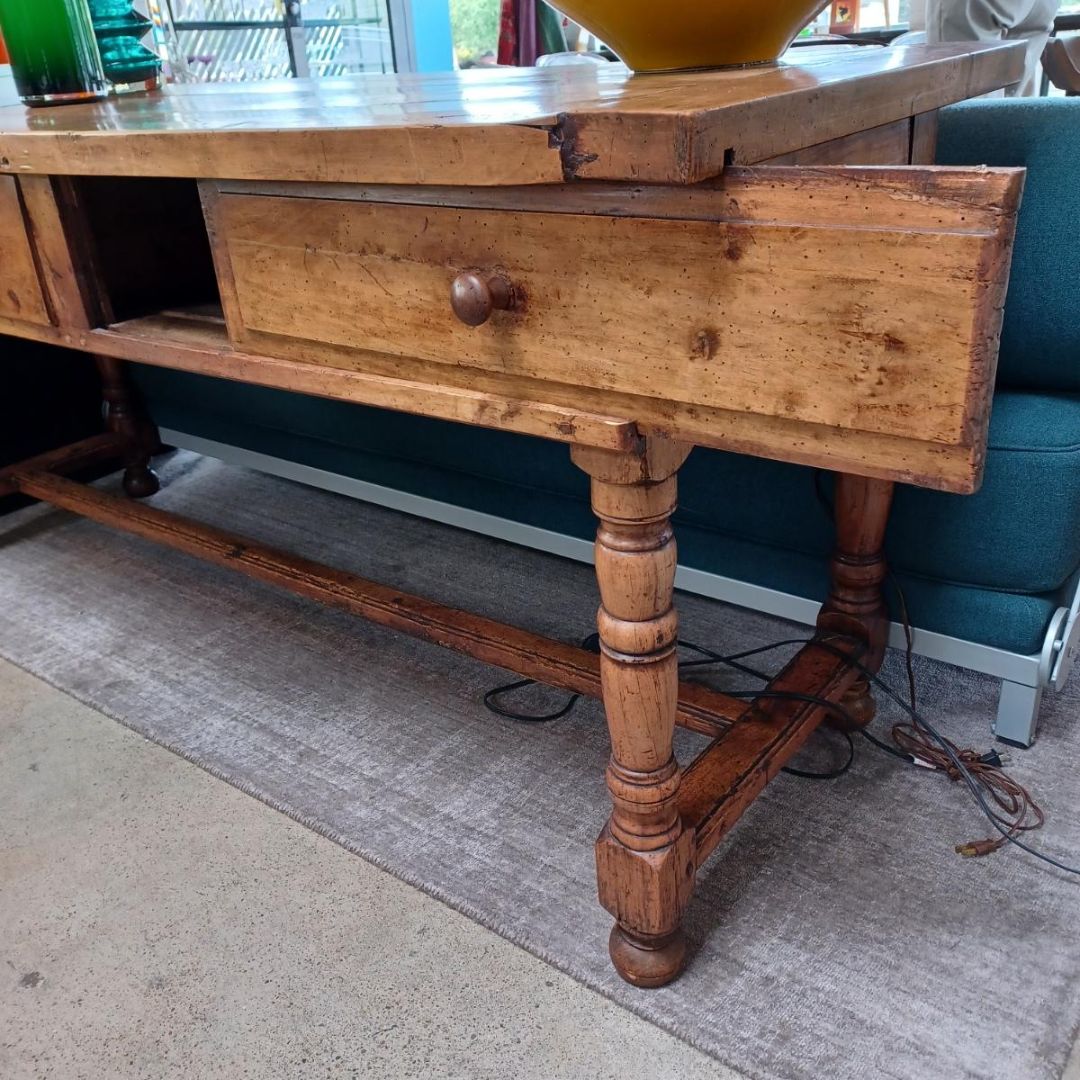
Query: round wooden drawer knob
{"points": [[474, 296]]}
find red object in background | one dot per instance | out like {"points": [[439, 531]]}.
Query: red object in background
{"points": [[845, 17], [4, 58], [518, 41]]}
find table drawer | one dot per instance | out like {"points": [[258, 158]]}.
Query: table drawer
{"points": [[854, 298], [21, 296]]}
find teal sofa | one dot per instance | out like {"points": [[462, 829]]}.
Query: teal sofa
{"points": [[53, 397], [989, 580]]}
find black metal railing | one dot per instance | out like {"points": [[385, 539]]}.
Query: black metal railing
{"points": [[298, 33]]}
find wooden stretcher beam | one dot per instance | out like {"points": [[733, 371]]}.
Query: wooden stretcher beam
{"points": [[67, 459], [722, 782], [565, 667]]}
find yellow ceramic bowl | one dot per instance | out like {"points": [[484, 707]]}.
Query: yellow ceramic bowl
{"points": [[665, 35]]}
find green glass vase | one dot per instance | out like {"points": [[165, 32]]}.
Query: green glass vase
{"points": [[129, 64], [54, 57]]}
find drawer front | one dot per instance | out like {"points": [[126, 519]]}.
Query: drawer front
{"points": [[764, 302], [21, 295]]}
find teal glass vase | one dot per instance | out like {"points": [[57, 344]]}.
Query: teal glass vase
{"points": [[129, 65]]}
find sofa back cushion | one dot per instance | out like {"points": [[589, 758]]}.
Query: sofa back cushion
{"points": [[1040, 340]]}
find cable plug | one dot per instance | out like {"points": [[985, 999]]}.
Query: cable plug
{"points": [[976, 848], [997, 758]]}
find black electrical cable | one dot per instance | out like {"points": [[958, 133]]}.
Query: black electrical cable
{"points": [[491, 698], [806, 775], [709, 657], [850, 656], [870, 737], [961, 769]]}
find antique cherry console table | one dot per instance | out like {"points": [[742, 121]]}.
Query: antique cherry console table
{"points": [[758, 260]]}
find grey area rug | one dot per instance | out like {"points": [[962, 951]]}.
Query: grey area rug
{"points": [[835, 934]]}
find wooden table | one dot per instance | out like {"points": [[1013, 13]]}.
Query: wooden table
{"points": [[630, 265]]}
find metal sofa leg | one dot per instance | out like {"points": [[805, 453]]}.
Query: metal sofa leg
{"points": [[1018, 707], [1018, 713]]}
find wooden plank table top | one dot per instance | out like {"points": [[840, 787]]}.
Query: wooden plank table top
{"points": [[501, 126]]}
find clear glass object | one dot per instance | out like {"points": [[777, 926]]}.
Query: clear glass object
{"points": [[54, 56], [173, 62]]}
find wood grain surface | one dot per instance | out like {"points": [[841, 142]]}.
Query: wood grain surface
{"points": [[552, 410], [21, 296], [504, 126], [722, 782], [846, 298]]}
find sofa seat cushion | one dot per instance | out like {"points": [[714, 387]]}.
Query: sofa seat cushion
{"points": [[1016, 622], [1020, 530]]}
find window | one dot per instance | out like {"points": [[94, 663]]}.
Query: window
{"points": [[242, 40], [475, 25]]}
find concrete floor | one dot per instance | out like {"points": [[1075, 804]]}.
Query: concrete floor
{"points": [[155, 922]]}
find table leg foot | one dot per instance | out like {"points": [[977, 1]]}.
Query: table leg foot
{"points": [[141, 481], [126, 415], [858, 703], [647, 961]]}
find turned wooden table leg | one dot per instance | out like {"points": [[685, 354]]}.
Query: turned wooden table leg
{"points": [[127, 417], [644, 857], [856, 604]]}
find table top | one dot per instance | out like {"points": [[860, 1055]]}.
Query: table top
{"points": [[502, 126]]}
